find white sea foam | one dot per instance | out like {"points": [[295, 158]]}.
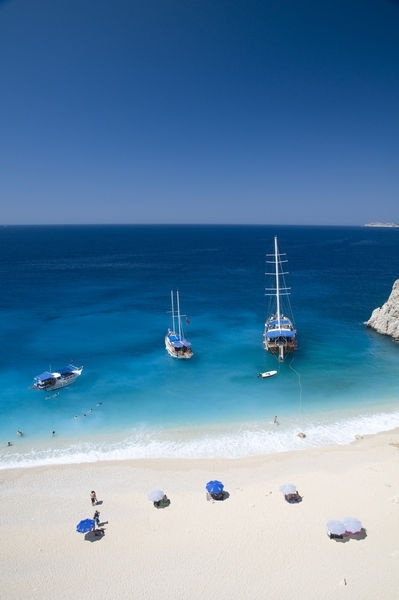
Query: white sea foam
{"points": [[233, 442]]}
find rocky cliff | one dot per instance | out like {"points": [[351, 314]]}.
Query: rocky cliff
{"points": [[385, 319]]}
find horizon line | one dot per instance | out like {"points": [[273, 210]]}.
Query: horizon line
{"points": [[190, 224]]}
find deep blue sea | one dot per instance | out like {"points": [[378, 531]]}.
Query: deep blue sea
{"points": [[100, 296]]}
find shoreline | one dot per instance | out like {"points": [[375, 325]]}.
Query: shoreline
{"points": [[220, 441], [197, 463], [252, 542]]}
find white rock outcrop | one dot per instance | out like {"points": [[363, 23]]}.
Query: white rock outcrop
{"points": [[385, 319]]}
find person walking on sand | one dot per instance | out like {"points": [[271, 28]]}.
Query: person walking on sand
{"points": [[93, 498], [276, 421], [97, 518]]}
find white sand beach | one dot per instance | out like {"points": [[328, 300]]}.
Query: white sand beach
{"points": [[252, 545]]}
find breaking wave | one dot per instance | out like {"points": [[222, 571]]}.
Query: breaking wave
{"points": [[232, 442]]}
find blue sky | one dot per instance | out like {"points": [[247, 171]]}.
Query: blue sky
{"points": [[199, 111]]}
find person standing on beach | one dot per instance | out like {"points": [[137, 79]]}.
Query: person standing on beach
{"points": [[97, 518], [93, 498]]}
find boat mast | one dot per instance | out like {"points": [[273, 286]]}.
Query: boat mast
{"points": [[277, 280], [173, 310], [178, 313]]}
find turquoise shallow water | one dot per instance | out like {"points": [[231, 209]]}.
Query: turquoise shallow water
{"points": [[100, 296]]}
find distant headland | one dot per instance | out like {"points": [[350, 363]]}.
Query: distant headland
{"points": [[378, 224]]}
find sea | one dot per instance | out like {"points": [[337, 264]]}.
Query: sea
{"points": [[99, 296]]}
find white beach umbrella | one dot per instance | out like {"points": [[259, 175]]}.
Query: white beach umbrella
{"points": [[155, 495], [352, 525], [287, 488], [336, 527]]}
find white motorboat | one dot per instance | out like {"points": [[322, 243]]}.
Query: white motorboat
{"points": [[49, 381]]}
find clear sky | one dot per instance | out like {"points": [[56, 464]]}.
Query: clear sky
{"points": [[199, 111]]}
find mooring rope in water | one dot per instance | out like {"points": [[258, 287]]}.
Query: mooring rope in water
{"points": [[300, 392]]}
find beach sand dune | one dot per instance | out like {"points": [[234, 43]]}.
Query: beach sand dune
{"points": [[252, 545]]}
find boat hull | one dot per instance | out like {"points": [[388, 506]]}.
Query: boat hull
{"points": [[279, 340], [280, 346], [180, 351]]}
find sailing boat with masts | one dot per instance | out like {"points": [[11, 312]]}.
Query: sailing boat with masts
{"points": [[279, 336], [176, 344]]}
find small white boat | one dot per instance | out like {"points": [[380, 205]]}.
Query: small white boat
{"points": [[176, 344], [267, 374], [57, 379]]}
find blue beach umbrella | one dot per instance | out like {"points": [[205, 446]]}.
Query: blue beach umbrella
{"points": [[85, 525], [214, 487]]}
